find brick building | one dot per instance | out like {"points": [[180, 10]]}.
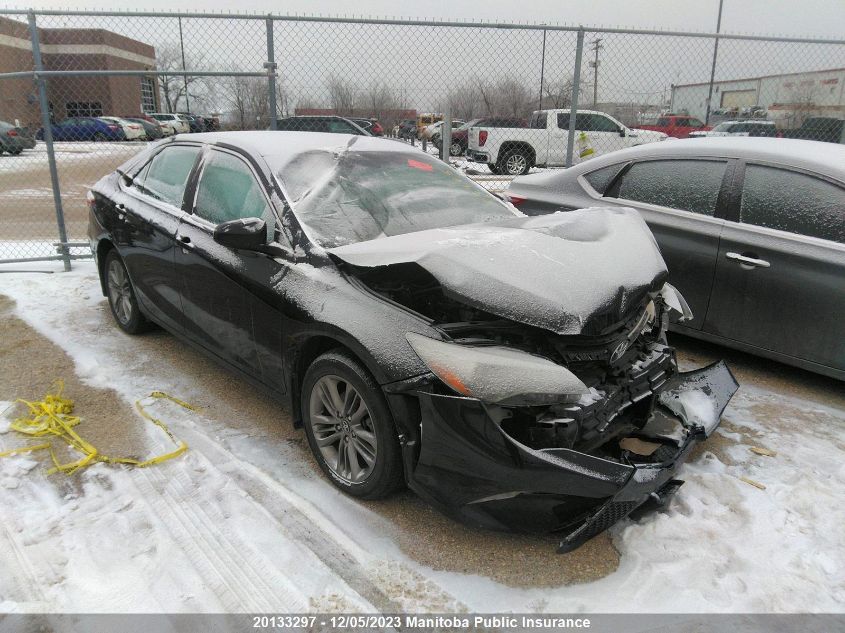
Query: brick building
{"points": [[75, 49]]}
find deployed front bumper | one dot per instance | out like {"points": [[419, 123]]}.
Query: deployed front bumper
{"points": [[472, 469]]}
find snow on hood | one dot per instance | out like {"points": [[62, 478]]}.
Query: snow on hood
{"points": [[571, 273]]}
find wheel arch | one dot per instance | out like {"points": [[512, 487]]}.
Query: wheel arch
{"points": [[104, 246], [521, 146], [312, 348]]}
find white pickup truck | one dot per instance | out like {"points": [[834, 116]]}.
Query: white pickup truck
{"points": [[513, 151]]}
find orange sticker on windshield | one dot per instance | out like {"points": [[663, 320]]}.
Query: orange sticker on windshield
{"points": [[418, 165]]}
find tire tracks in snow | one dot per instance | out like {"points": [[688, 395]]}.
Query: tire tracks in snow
{"points": [[306, 524]]}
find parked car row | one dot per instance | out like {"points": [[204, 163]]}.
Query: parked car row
{"points": [[132, 127]]}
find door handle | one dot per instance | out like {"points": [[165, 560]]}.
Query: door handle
{"points": [[184, 239], [748, 261]]}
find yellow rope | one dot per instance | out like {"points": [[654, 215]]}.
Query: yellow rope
{"points": [[53, 416]]}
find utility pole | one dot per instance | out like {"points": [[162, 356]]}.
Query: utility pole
{"points": [[542, 71], [713, 67], [597, 46]]}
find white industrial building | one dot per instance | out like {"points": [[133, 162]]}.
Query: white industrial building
{"points": [[787, 98]]}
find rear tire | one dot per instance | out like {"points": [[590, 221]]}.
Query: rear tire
{"points": [[456, 149], [121, 296], [515, 163], [350, 428]]}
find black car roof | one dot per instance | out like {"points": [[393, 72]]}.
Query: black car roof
{"points": [[283, 146]]}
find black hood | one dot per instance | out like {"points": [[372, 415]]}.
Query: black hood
{"points": [[571, 273]]}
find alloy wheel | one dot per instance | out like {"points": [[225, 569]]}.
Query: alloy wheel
{"points": [[516, 164], [343, 429], [455, 149], [120, 294]]}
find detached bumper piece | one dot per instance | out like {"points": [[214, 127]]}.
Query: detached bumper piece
{"points": [[474, 470]]}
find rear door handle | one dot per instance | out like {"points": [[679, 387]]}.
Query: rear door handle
{"points": [[748, 261], [184, 239]]}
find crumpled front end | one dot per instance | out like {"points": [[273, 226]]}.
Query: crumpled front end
{"points": [[526, 430], [488, 465]]}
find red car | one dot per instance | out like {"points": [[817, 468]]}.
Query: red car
{"points": [[677, 125]]}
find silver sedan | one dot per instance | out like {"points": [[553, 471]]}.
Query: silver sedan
{"points": [[752, 231]]}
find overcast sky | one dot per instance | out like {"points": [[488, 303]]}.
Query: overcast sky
{"points": [[817, 18]]}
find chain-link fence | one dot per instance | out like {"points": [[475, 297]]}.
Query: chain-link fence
{"points": [[80, 93]]}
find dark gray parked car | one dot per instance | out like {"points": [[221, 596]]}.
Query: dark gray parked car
{"points": [[14, 139], [752, 231]]}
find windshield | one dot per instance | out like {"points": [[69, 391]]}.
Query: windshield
{"points": [[724, 127], [345, 196]]}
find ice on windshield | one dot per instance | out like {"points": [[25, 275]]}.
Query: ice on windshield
{"points": [[344, 196]]}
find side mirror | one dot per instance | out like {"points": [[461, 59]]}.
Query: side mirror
{"points": [[622, 132], [247, 233]]}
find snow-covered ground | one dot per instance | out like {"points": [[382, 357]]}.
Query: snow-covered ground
{"points": [[235, 524], [36, 158]]}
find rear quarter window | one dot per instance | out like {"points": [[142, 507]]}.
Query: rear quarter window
{"points": [[686, 185], [794, 202], [600, 179]]}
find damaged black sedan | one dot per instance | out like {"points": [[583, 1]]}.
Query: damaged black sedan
{"points": [[514, 371]]}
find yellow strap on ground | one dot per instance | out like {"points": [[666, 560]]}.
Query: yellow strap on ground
{"points": [[52, 416]]}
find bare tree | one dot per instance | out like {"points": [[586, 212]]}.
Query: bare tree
{"points": [[379, 98], [463, 101], [342, 95], [247, 100], [175, 87], [513, 97], [487, 92], [558, 94]]}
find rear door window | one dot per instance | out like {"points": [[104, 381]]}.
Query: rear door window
{"points": [[228, 190], [687, 185], [168, 173], [794, 202]]}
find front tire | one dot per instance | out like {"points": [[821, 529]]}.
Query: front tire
{"points": [[349, 427], [121, 296], [456, 149]]}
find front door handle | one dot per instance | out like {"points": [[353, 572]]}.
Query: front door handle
{"points": [[748, 261], [184, 239]]}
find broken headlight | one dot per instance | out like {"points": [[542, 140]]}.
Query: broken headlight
{"points": [[497, 374], [675, 301]]}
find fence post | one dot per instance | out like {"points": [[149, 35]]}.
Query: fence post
{"points": [[446, 135], [270, 65], [573, 107], [713, 67], [46, 124]]}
